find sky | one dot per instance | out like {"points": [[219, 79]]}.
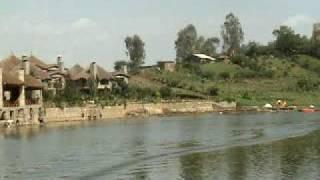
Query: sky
{"points": [[83, 31]]}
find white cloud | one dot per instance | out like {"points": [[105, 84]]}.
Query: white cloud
{"points": [[299, 20]]}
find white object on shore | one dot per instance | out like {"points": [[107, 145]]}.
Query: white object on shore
{"points": [[312, 106], [267, 106]]}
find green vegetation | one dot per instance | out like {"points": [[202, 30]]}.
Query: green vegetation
{"points": [[265, 80]]}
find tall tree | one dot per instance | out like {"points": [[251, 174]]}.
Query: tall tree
{"points": [[288, 42], [315, 41], [186, 42], [135, 51], [209, 46], [232, 34]]}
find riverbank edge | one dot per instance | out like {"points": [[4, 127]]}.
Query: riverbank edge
{"points": [[92, 112]]}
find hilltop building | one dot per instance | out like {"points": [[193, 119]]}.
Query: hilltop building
{"points": [[201, 59], [316, 32], [167, 65]]}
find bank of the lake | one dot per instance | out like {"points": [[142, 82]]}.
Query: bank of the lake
{"points": [[92, 112]]}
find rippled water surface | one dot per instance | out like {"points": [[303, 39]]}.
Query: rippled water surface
{"points": [[211, 146]]}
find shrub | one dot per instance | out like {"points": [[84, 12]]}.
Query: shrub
{"points": [[229, 99], [213, 91], [246, 95], [209, 75], [224, 75], [166, 92], [245, 74], [307, 84], [264, 73]]}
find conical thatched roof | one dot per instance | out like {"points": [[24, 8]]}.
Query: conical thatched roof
{"points": [[82, 75], [103, 74], [38, 73], [37, 62], [31, 82], [76, 69], [10, 63], [11, 80]]}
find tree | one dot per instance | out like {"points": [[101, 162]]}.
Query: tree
{"points": [[288, 42], [315, 41], [186, 42], [166, 92], [135, 51], [232, 34], [119, 64], [189, 43], [251, 49], [209, 47]]}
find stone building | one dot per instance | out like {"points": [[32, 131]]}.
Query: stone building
{"points": [[20, 97], [82, 77], [52, 76]]}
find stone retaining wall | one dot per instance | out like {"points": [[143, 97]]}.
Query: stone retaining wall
{"points": [[133, 109]]}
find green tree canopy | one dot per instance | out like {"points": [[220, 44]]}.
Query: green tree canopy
{"points": [[288, 42], [189, 43], [186, 43], [232, 34], [135, 51], [209, 47]]}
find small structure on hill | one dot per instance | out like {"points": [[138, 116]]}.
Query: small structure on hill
{"points": [[148, 67], [224, 58], [316, 32], [201, 59], [167, 65]]}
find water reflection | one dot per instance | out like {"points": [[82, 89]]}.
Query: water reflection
{"points": [[26, 133], [137, 145], [296, 158], [246, 146], [191, 165]]}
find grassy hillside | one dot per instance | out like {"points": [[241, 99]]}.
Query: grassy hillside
{"points": [[259, 81]]}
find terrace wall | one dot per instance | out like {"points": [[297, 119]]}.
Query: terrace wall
{"points": [[133, 109]]}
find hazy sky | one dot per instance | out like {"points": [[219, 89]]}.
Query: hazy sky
{"points": [[93, 30]]}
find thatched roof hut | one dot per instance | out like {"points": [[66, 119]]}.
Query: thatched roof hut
{"points": [[10, 80], [82, 75], [32, 83], [102, 74], [37, 62], [12, 62], [76, 69]]}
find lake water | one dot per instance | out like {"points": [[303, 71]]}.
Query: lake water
{"points": [[210, 146]]}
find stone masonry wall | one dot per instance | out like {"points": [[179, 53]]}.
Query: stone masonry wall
{"points": [[133, 109]]}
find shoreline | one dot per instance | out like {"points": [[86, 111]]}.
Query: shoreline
{"points": [[138, 110], [93, 112]]}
